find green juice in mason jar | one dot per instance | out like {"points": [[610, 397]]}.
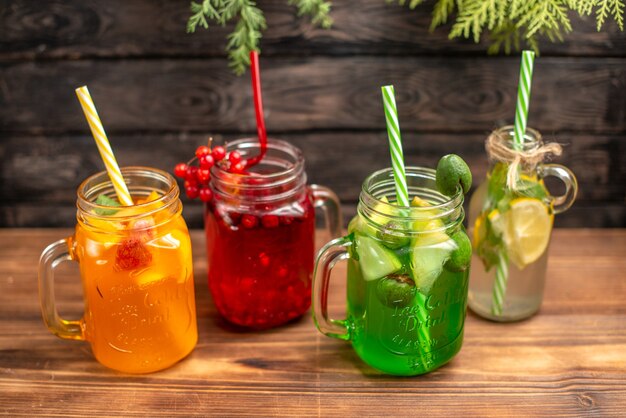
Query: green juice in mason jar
{"points": [[407, 278]]}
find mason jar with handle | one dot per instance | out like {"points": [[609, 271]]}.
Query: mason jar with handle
{"points": [[510, 221], [260, 234], [407, 276], [136, 270]]}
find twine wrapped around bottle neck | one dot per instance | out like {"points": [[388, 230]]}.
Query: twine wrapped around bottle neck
{"points": [[498, 149]]}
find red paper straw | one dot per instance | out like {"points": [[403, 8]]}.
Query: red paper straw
{"points": [[258, 108]]}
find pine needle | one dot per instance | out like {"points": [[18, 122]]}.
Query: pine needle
{"points": [[510, 23], [250, 23], [507, 23]]}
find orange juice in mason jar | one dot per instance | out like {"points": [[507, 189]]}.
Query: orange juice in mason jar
{"points": [[136, 269]]}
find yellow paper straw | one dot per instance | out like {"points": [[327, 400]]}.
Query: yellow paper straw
{"points": [[103, 146]]}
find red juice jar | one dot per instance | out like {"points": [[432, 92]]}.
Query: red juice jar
{"points": [[260, 234]]}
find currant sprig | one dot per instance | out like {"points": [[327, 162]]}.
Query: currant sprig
{"points": [[197, 172]]}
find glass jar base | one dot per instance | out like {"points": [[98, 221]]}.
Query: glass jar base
{"points": [[514, 309], [405, 365], [148, 365], [255, 322]]}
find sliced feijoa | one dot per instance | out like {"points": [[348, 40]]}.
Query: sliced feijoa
{"points": [[392, 235], [375, 259], [379, 216], [429, 252], [460, 258], [381, 211], [396, 290]]}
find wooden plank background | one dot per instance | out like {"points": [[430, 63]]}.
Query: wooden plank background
{"points": [[161, 92]]}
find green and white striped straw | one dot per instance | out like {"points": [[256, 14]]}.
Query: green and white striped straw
{"points": [[523, 96], [499, 285], [424, 335], [395, 145], [402, 193], [521, 117]]}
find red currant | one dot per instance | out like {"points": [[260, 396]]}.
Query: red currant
{"points": [[286, 220], [202, 151], [235, 217], [218, 153], [191, 172], [237, 168], [192, 192], [264, 259], [191, 183], [269, 221], [206, 194], [234, 157], [203, 175], [180, 170], [249, 221], [207, 162]]}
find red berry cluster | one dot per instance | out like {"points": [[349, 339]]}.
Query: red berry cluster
{"points": [[250, 221], [197, 177]]}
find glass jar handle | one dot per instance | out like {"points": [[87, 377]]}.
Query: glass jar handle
{"points": [[329, 255], [327, 200], [563, 202], [51, 257]]}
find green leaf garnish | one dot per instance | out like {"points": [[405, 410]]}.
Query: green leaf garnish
{"points": [[250, 23], [510, 23], [104, 200]]}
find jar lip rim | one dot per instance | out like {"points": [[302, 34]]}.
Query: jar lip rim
{"points": [[125, 170], [272, 143], [532, 136], [429, 173], [449, 209]]}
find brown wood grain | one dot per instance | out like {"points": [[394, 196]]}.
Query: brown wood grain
{"points": [[159, 90], [444, 94], [569, 360], [78, 29], [42, 172]]}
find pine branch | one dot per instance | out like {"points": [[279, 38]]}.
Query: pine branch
{"points": [[411, 3], [505, 37], [602, 12], [197, 17], [319, 11], [247, 33], [250, 23], [442, 10], [546, 15], [584, 7], [613, 7], [509, 23], [618, 13], [476, 15]]}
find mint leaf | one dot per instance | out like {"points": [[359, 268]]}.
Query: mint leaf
{"points": [[496, 188], [532, 189], [105, 200]]}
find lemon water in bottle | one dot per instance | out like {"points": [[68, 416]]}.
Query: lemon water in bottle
{"points": [[511, 215]]}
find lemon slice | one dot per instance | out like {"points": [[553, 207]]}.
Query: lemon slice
{"points": [[426, 224], [480, 231], [525, 229]]}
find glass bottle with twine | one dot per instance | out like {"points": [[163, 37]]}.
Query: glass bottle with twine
{"points": [[510, 218]]}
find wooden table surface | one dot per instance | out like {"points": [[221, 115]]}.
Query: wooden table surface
{"points": [[570, 359]]}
